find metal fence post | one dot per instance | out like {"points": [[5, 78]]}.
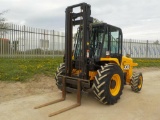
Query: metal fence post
{"points": [[24, 41], [130, 46], [147, 49], [44, 44], [53, 43], [58, 43], [12, 40]]}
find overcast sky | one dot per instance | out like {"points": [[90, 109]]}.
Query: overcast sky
{"points": [[139, 19]]}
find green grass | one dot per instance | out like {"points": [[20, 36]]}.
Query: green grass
{"points": [[144, 62], [23, 69]]}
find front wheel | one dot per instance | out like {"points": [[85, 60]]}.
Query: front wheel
{"points": [[60, 71], [108, 84]]}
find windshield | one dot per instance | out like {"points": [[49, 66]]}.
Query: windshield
{"points": [[115, 41], [96, 40]]}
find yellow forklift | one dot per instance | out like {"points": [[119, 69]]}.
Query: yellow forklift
{"points": [[95, 63]]}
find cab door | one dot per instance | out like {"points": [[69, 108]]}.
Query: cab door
{"points": [[115, 42]]}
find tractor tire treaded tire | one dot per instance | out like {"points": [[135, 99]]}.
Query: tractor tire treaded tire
{"points": [[135, 82], [101, 85], [60, 71]]}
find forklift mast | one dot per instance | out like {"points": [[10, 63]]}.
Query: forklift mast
{"points": [[82, 19]]}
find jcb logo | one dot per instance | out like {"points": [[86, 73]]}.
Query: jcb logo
{"points": [[126, 67]]}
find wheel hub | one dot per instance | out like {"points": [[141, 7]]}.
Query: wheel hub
{"points": [[113, 84]]}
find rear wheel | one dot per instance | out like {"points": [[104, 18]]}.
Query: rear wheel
{"points": [[108, 84], [136, 82]]}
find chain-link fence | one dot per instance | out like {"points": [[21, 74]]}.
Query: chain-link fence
{"points": [[23, 41]]}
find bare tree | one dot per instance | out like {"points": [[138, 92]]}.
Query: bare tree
{"points": [[3, 24], [96, 21], [156, 42]]}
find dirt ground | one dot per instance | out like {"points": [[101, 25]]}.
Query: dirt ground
{"points": [[18, 99], [39, 84]]}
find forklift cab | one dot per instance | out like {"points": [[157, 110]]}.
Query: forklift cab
{"points": [[105, 41]]}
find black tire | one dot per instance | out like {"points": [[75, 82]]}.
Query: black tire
{"points": [[60, 71], [136, 82], [105, 89]]}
